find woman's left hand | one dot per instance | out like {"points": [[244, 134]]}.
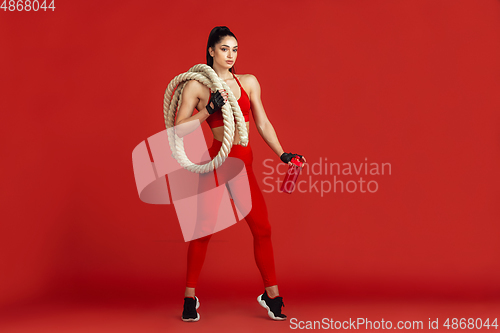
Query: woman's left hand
{"points": [[287, 158]]}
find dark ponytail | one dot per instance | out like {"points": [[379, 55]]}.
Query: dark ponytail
{"points": [[215, 37]]}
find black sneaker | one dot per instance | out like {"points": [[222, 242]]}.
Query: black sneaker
{"points": [[272, 305], [190, 306]]}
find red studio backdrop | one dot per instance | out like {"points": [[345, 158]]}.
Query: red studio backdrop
{"points": [[395, 105]]}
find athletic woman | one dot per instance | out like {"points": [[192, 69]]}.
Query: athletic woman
{"points": [[222, 51]]}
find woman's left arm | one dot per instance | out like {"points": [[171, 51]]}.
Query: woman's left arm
{"points": [[264, 126]]}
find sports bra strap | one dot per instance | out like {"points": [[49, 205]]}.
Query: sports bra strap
{"points": [[237, 80]]}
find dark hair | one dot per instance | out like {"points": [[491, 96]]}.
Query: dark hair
{"points": [[215, 37]]}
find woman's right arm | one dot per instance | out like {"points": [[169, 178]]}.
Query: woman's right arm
{"points": [[191, 96]]}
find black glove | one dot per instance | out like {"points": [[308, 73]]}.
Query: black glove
{"points": [[287, 157], [217, 101]]}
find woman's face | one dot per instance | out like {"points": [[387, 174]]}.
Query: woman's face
{"points": [[225, 52]]}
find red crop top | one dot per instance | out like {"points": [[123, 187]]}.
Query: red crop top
{"points": [[216, 120]]}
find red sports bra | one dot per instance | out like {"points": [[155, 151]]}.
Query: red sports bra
{"points": [[216, 120]]}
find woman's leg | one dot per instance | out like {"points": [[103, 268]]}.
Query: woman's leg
{"points": [[260, 227], [196, 256], [257, 220], [206, 218]]}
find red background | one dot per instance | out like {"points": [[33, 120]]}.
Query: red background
{"points": [[414, 84]]}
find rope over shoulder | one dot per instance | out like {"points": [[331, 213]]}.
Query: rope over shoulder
{"points": [[230, 111]]}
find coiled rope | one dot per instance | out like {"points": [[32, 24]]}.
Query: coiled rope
{"points": [[230, 111]]}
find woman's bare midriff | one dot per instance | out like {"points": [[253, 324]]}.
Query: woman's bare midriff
{"points": [[218, 133]]}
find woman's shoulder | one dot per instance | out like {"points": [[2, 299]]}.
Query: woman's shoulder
{"points": [[246, 77], [196, 87], [195, 84], [248, 81]]}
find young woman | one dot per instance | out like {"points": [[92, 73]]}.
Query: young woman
{"points": [[222, 51]]}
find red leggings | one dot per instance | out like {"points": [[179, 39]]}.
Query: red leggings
{"points": [[257, 221]]}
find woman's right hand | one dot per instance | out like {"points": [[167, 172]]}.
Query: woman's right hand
{"points": [[217, 101]]}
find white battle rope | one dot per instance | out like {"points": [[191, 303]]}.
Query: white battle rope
{"points": [[206, 75]]}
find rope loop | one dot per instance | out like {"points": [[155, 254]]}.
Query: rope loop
{"points": [[230, 111]]}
